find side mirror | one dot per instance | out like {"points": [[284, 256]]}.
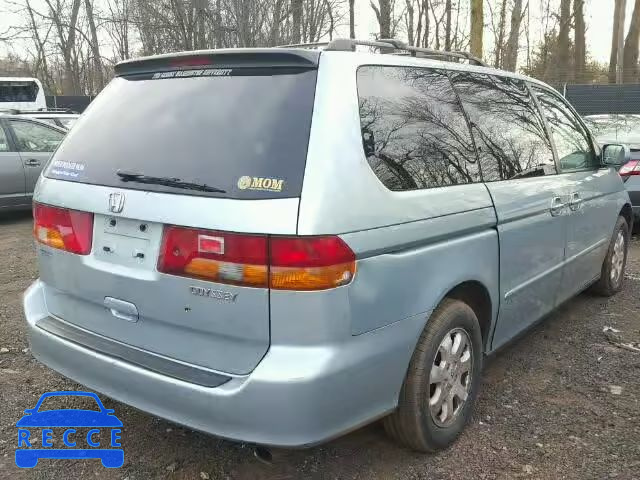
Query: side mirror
{"points": [[615, 155], [368, 143]]}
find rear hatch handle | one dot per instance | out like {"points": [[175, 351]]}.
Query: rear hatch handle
{"points": [[121, 309]]}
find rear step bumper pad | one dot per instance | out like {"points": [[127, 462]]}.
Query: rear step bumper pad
{"points": [[136, 356], [297, 395]]}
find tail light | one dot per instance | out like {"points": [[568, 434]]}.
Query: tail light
{"points": [[313, 263], [221, 257], [284, 263], [68, 230], [632, 167]]}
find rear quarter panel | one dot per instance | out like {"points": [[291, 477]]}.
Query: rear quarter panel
{"points": [[412, 247]]}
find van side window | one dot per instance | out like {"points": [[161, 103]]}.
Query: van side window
{"points": [[414, 132], [571, 140], [506, 125]]}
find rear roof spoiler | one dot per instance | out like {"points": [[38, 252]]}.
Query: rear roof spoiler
{"points": [[223, 58]]}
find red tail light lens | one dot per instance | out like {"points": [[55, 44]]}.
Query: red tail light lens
{"points": [[632, 167], [68, 230], [313, 263], [283, 263], [221, 257]]}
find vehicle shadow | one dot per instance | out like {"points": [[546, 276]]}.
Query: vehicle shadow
{"points": [[366, 452], [15, 216]]}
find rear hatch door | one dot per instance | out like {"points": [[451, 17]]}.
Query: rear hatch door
{"points": [[215, 142]]}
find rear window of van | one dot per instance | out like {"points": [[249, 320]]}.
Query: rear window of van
{"points": [[241, 132]]}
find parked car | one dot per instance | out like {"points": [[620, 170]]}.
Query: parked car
{"points": [[21, 92], [625, 129], [303, 241], [59, 117], [25, 147]]}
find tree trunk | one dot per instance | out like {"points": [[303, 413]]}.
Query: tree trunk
{"points": [[447, 27], [41, 47], [383, 15], [218, 37], [563, 40], [352, 19], [95, 48], [630, 68], [617, 27], [500, 37], [511, 54], [296, 20], [477, 27], [580, 42], [70, 81], [410, 14], [427, 25]]}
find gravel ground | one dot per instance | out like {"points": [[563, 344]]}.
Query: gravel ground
{"points": [[547, 409]]}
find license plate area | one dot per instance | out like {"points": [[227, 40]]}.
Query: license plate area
{"points": [[125, 241]]}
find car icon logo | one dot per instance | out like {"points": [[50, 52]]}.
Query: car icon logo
{"points": [[85, 434]]}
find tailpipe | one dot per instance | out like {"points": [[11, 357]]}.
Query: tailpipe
{"points": [[263, 454]]}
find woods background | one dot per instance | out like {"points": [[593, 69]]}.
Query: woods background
{"points": [[73, 44]]}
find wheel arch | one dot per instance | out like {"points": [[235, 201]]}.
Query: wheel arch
{"points": [[627, 212], [475, 294]]}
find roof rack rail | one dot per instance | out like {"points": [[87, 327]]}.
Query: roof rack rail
{"points": [[349, 45], [390, 44], [304, 45], [18, 111]]}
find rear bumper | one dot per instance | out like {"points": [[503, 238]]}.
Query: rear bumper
{"points": [[297, 395]]}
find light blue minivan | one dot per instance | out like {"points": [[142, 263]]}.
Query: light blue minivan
{"points": [[280, 245]]}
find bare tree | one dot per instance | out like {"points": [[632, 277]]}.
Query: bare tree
{"points": [[97, 76], [447, 26], [477, 27], [580, 42], [42, 65], [352, 18], [409, 20], [383, 10], [563, 39], [618, 33], [511, 52], [296, 17], [117, 23], [499, 33], [66, 29], [631, 45]]}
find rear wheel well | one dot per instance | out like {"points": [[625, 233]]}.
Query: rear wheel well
{"points": [[477, 297], [627, 213]]}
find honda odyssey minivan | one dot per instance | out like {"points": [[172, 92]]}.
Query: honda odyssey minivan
{"points": [[280, 245]]}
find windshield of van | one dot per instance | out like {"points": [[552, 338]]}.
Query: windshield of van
{"points": [[242, 133], [18, 91]]}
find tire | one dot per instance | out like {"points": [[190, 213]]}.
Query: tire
{"points": [[612, 273], [414, 424]]}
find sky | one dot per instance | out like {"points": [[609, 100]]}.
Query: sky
{"points": [[598, 13]]}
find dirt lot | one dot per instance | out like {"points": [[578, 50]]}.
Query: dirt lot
{"points": [[563, 402]]}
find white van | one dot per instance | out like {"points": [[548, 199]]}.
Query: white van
{"points": [[21, 93]]}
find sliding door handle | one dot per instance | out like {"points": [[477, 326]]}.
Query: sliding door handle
{"points": [[557, 206], [575, 202], [32, 162]]}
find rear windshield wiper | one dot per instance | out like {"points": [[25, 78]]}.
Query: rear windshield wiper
{"points": [[166, 181]]}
